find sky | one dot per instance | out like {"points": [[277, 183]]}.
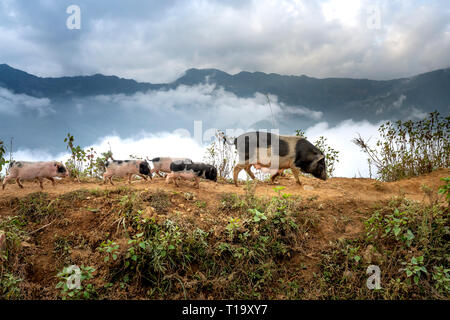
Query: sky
{"points": [[156, 41]]}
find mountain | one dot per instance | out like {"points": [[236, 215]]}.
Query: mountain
{"points": [[39, 112], [21, 82], [339, 98]]}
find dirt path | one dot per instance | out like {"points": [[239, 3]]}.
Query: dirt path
{"points": [[340, 189]]}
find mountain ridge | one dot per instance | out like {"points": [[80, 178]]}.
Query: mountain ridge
{"points": [[339, 97]]}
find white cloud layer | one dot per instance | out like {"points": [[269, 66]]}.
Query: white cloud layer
{"points": [[352, 161], [215, 106], [14, 104]]}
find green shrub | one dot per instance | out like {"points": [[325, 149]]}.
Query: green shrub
{"points": [[408, 240], [9, 289], [410, 148], [3, 161]]}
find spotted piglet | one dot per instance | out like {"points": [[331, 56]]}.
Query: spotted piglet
{"points": [[122, 168], [186, 170], [24, 170]]}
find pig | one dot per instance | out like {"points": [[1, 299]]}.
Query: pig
{"points": [[162, 164], [269, 150], [128, 168], [189, 170], [35, 170]]}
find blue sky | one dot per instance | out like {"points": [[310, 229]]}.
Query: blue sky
{"points": [[157, 41]]}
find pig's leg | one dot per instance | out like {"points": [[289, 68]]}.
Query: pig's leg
{"points": [[129, 178], [40, 183], [7, 178], [272, 177], [176, 181], [170, 177], [105, 178], [110, 180], [236, 171], [18, 182], [296, 172], [52, 180], [249, 172], [197, 182], [143, 177]]}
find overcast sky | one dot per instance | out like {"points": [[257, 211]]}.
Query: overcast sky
{"points": [[156, 41]]}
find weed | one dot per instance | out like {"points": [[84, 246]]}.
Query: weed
{"points": [[410, 148], [110, 248], [445, 189], [70, 290], [9, 289]]}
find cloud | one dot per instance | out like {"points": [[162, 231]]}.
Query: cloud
{"points": [[215, 106], [151, 146], [352, 161], [157, 40], [14, 104]]}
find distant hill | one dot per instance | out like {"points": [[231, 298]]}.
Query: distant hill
{"points": [[342, 97], [339, 98], [21, 82]]}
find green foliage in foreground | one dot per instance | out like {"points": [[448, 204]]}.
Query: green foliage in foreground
{"points": [[257, 248], [409, 241]]}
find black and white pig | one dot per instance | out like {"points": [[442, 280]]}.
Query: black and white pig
{"points": [[187, 170], [122, 168], [269, 150], [162, 164]]}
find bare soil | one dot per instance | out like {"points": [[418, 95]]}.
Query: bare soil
{"points": [[340, 204]]}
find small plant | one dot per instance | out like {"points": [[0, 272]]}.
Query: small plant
{"points": [[445, 189], [441, 276], [233, 225], [76, 291], [278, 189], [77, 158], [3, 161], [201, 204], [257, 215], [394, 225], [110, 248], [9, 288], [414, 269]]}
